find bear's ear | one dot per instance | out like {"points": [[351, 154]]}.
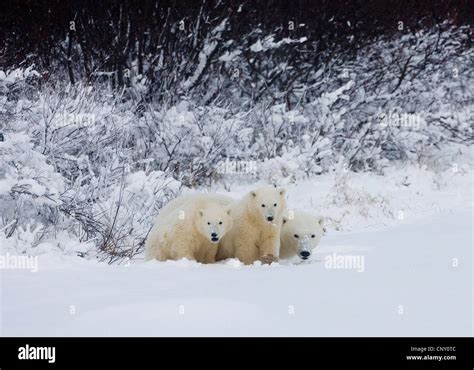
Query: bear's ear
{"points": [[200, 212], [254, 193], [282, 191], [321, 221]]}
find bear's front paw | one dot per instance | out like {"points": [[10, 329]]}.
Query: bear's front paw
{"points": [[268, 258]]}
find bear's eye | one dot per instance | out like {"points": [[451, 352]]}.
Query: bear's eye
{"points": [[296, 236], [208, 223], [263, 205], [313, 236], [275, 205], [220, 222]]}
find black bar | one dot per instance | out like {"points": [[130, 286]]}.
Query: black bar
{"points": [[318, 353]]}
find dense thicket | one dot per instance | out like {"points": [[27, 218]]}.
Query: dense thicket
{"points": [[176, 45]]}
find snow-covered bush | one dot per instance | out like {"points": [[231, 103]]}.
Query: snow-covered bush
{"points": [[407, 89], [400, 99], [124, 217], [189, 142], [30, 188], [72, 163]]}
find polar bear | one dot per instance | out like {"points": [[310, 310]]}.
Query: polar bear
{"points": [[300, 234], [257, 223], [185, 199], [190, 227]]}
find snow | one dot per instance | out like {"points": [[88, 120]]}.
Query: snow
{"points": [[229, 56], [413, 278], [269, 43], [256, 46]]}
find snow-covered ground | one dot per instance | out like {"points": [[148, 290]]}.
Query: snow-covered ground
{"points": [[404, 242]]}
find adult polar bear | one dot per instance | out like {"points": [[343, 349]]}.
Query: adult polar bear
{"points": [[191, 227], [257, 222]]}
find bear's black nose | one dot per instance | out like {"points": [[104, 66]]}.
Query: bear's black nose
{"points": [[213, 235], [304, 255], [270, 218]]}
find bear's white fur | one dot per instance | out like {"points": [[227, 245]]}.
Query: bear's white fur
{"points": [[300, 234], [257, 220], [185, 199], [185, 226]]}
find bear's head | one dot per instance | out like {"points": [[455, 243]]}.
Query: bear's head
{"points": [[213, 222], [268, 203], [301, 233]]}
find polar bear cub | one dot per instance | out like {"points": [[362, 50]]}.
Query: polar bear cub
{"points": [[257, 219], [190, 227], [300, 234]]}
